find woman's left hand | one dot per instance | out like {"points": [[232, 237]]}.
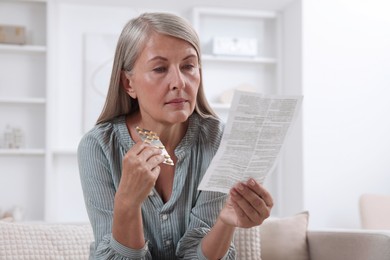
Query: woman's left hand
{"points": [[248, 205]]}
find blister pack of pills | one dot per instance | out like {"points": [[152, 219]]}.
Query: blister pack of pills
{"points": [[151, 138]]}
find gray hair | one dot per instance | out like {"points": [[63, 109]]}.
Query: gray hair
{"points": [[131, 42]]}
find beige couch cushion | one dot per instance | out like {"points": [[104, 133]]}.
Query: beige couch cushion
{"points": [[22, 241], [346, 244], [375, 211], [276, 239], [285, 238]]}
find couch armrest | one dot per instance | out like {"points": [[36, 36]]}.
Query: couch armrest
{"points": [[349, 244]]}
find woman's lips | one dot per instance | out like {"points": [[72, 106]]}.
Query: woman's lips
{"points": [[177, 101]]}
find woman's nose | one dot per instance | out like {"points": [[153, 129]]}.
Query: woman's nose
{"points": [[176, 79]]}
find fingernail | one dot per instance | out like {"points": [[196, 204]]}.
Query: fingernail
{"points": [[240, 187], [252, 182]]}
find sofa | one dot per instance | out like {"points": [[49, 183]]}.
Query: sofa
{"points": [[276, 239]]}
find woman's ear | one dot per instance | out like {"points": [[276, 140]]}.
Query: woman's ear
{"points": [[126, 84]]}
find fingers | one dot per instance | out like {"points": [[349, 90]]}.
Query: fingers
{"points": [[246, 210], [145, 155], [152, 156], [260, 191], [251, 201], [140, 170]]}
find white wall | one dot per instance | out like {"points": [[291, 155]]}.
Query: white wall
{"points": [[346, 81], [291, 190]]}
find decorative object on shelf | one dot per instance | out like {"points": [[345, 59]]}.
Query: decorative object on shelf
{"points": [[14, 214], [12, 34], [234, 46], [13, 138]]}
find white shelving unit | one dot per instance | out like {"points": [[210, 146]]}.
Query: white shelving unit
{"points": [[224, 73], [23, 106], [22, 48], [18, 152]]}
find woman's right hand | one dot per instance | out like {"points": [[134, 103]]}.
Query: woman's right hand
{"points": [[140, 170]]}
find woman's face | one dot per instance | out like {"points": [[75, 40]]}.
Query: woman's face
{"points": [[165, 80]]}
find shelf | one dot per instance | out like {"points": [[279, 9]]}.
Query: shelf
{"points": [[34, 1], [26, 101], [260, 60], [65, 151], [198, 11], [26, 1], [22, 152], [33, 49]]}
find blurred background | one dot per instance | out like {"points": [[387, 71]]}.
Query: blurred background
{"points": [[55, 61]]}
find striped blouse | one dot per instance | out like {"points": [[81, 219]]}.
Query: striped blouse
{"points": [[172, 230]]}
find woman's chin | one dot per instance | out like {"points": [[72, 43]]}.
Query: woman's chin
{"points": [[178, 117]]}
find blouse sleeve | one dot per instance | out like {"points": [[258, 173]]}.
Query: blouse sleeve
{"points": [[99, 192], [203, 216], [208, 204]]}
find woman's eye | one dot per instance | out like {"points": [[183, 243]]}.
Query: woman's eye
{"points": [[160, 69], [188, 67]]}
